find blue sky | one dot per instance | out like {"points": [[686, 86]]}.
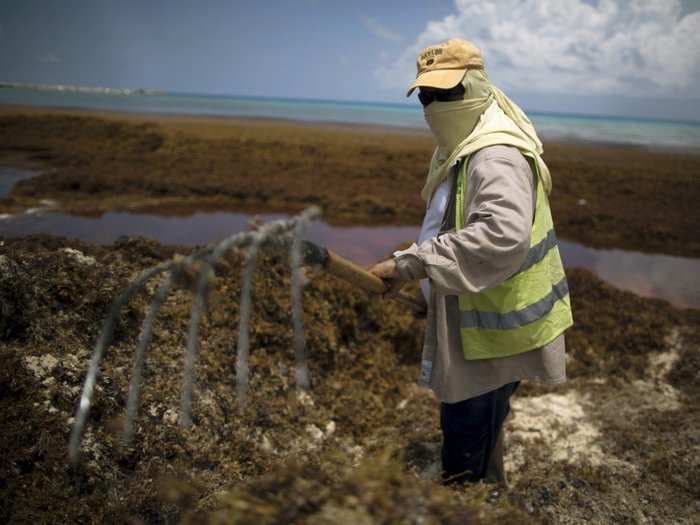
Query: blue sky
{"points": [[633, 58]]}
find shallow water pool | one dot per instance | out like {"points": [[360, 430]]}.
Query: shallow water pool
{"points": [[676, 279], [11, 176]]}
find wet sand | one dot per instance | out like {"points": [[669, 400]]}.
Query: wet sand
{"points": [[604, 196]]}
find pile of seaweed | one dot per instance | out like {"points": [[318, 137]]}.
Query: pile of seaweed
{"points": [[361, 446]]}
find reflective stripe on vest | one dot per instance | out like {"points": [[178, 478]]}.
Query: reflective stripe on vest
{"points": [[516, 318], [538, 251], [527, 310]]}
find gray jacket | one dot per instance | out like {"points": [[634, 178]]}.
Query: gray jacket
{"points": [[498, 210]]}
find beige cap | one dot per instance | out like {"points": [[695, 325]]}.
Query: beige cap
{"points": [[442, 66]]}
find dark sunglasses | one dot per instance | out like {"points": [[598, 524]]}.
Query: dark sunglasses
{"points": [[427, 95]]}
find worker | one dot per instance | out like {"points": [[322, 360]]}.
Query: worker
{"points": [[497, 297]]}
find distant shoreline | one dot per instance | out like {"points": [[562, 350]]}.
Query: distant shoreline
{"points": [[67, 88], [207, 118], [321, 101]]}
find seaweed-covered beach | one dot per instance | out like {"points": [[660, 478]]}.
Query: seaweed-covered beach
{"points": [[617, 443], [604, 195]]}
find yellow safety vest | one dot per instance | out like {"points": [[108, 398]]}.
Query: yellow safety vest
{"points": [[527, 310]]}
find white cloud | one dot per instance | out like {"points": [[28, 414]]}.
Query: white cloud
{"points": [[380, 30], [48, 58], [637, 47]]}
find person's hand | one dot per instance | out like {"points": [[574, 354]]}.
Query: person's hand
{"points": [[386, 271]]}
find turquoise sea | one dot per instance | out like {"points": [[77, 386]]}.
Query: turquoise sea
{"points": [[550, 126]]}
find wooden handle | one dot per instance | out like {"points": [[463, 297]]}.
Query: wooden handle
{"points": [[354, 274]]}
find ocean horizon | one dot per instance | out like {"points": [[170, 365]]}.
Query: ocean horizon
{"points": [[567, 127]]}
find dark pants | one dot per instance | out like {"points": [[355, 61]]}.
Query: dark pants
{"points": [[470, 431]]}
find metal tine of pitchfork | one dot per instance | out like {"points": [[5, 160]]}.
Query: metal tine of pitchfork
{"points": [[253, 240], [243, 350], [195, 318], [193, 344], [239, 240], [98, 352], [302, 370], [144, 340]]}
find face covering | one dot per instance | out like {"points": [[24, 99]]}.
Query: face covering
{"points": [[452, 122]]}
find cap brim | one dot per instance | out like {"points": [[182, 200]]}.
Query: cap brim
{"points": [[438, 78]]}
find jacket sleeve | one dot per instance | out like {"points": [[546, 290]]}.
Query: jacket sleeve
{"points": [[499, 208]]}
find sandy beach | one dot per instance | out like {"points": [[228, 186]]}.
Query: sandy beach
{"points": [[617, 443]]}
